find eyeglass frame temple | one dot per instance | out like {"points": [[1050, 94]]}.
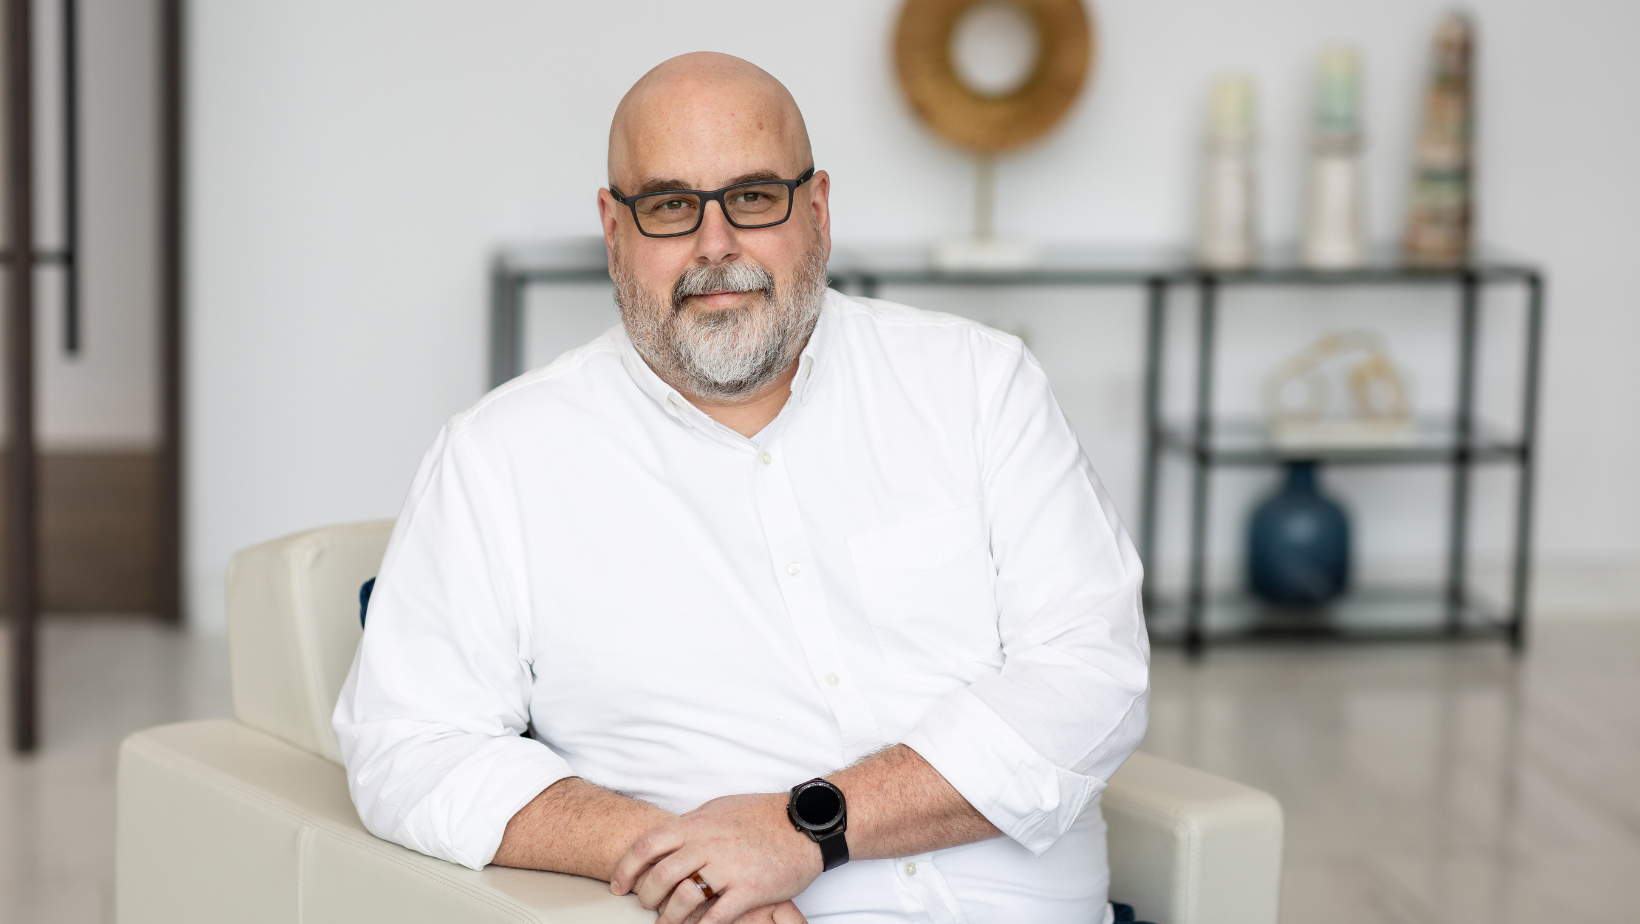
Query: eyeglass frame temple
{"points": [[708, 196]]}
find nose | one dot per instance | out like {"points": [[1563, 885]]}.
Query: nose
{"points": [[716, 240]]}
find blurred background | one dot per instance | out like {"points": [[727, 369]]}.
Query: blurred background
{"points": [[352, 170]]}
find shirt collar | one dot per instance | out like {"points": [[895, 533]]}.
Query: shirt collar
{"points": [[810, 363], [675, 405]]}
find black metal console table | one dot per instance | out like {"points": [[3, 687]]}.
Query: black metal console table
{"points": [[1458, 443]]}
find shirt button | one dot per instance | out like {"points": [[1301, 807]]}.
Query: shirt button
{"points": [[766, 459], [910, 869], [833, 679], [794, 568]]}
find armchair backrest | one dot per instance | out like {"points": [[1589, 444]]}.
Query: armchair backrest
{"points": [[293, 625]]}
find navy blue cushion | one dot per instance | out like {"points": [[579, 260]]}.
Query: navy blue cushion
{"points": [[364, 598]]}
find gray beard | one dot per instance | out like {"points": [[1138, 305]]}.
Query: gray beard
{"points": [[729, 353]]}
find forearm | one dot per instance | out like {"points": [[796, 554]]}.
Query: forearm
{"points": [[576, 827], [900, 806]]}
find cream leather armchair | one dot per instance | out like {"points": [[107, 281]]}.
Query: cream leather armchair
{"points": [[248, 820]]}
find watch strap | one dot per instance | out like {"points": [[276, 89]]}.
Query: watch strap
{"points": [[833, 850]]}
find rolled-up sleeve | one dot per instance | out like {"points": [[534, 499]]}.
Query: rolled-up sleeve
{"points": [[432, 715], [1030, 746]]}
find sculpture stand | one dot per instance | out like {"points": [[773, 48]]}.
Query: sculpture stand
{"points": [[983, 253]]}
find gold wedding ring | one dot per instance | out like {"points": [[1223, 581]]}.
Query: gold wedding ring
{"points": [[705, 889]]}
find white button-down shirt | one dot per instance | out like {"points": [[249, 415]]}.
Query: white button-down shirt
{"points": [[593, 578]]}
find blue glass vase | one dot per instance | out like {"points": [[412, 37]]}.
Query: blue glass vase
{"points": [[1298, 549]]}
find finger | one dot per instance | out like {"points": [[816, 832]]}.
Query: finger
{"points": [[728, 907], [655, 843], [763, 915], [771, 914], [699, 912], [683, 905], [657, 882]]}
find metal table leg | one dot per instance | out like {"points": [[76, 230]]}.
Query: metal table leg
{"points": [[1463, 428], [1156, 294], [1528, 463], [1196, 605], [504, 342]]}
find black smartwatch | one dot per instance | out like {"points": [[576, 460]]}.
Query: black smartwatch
{"points": [[819, 810]]}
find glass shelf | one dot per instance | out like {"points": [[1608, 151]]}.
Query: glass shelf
{"points": [[1387, 614], [1429, 441], [571, 259], [1065, 264]]}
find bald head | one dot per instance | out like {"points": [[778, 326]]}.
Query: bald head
{"points": [[702, 117]]}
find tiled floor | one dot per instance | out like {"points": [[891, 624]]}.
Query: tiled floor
{"points": [[1432, 783], [102, 678], [1422, 784]]}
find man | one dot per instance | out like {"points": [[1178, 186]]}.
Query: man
{"points": [[762, 534]]}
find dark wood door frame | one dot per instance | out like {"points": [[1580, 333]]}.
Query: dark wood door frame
{"points": [[168, 561], [21, 257], [20, 368]]}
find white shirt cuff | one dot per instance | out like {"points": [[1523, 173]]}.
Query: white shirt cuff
{"points": [[463, 819], [1025, 795]]}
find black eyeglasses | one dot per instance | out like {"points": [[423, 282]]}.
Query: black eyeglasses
{"points": [[676, 212]]}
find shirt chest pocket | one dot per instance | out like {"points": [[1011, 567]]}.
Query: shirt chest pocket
{"points": [[929, 590]]}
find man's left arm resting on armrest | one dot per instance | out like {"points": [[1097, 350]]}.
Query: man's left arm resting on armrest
{"points": [[749, 851]]}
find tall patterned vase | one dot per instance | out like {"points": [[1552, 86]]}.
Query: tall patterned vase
{"points": [[1299, 544]]}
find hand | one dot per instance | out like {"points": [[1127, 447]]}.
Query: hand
{"points": [[743, 846], [783, 913]]}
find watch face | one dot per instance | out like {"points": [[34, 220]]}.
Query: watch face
{"points": [[818, 807]]}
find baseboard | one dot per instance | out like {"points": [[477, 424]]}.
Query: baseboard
{"points": [[1585, 589]]}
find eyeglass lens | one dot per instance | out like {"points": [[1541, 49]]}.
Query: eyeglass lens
{"points": [[745, 206]]}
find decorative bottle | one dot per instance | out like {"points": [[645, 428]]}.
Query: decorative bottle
{"points": [[1228, 239], [1298, 549], [1333, 229]]}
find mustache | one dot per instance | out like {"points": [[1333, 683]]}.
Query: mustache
{"points": [[739, 276]]}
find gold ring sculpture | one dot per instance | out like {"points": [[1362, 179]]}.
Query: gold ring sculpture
{"points": [[922, 55]]}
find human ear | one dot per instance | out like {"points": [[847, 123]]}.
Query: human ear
{"points": [[820, 202], [608, 214]]}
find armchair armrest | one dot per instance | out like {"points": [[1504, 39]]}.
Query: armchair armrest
{"points": [[220, 822], [1188, 847]]}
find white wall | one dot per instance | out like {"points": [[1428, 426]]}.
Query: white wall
{"points": [[355, 162]]}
